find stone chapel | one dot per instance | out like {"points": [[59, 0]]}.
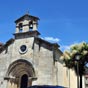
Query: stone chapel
{"points": [[27, 60]]}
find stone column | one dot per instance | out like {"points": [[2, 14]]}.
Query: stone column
{"points": [[9, 84], [12, 86], [29, 82], [15, 85], [35, 24]]}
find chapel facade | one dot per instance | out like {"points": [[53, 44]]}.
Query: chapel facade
{"points": [[27, 60]]}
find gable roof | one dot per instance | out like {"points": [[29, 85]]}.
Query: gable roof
{"points": [[48, 44], [26, 15], [4, 46], [39, 41]]}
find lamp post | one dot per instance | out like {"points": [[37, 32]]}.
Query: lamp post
{"points": [[77, 58]]}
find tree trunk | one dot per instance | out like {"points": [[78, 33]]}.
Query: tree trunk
{"points": [[80, 80]]}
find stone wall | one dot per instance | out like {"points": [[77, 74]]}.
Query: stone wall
{"points": [[41, 58]]}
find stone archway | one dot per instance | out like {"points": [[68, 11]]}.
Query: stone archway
{"points": [[18, 71]]}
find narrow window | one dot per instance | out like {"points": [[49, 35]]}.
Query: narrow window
{"points": [[20, 27]]}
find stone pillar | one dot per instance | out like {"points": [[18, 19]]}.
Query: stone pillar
{"points": [[17, 30], [29, 82], [9, 84], [34, 25], [15, 85], [25, 26], [12, 84]]}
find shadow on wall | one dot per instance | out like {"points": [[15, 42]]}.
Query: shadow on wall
{"points": [[46, 86]]}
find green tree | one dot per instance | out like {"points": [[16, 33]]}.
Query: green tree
{"points": [[69, 58]]}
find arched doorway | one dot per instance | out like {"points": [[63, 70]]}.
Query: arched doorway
{"points": [[24, 81], [20, 73]]}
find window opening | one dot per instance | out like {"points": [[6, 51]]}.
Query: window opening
{"points": [[20, 27], [30, 26]]}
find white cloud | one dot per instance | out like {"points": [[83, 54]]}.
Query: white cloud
{"points": [[62, 47], [67, 47], [51, 39]]}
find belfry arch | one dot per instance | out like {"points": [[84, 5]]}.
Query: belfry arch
{"points": [[19, 71]]}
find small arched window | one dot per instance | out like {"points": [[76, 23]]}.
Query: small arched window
{"points": [[20, 27]]}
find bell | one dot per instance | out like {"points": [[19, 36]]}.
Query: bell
{"points": [[31, 26]]}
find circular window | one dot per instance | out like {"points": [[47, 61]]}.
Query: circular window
{"points": [[23, 49]]}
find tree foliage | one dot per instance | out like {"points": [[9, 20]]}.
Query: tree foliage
{"points": [[69, 55]]}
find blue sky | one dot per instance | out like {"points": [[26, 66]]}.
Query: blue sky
{"points": [[61, 21]]}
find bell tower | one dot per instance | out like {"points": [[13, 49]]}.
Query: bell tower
{"points": [[27, 24]]}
